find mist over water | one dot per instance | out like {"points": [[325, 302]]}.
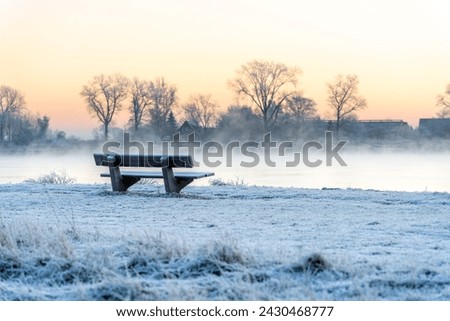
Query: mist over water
{"points": [[366, 169], [394, 171]]}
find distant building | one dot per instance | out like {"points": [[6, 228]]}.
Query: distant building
{"points": [[373, 129], [383, 129], [190, 127], [434, 127]]}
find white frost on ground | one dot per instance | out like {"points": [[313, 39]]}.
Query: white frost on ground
{"points": [[84, 242]]}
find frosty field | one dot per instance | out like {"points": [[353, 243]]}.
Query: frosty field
{"points": [[83, 242]]}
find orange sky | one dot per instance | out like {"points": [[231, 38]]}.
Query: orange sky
{"points": [[400, 50]]}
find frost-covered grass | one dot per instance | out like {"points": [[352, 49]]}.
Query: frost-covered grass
{"points": [[53, 177], [55, 266], [237, 182], [83, 242]]}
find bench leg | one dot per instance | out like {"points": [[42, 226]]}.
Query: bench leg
{"points": [[130, 181], [169, 180], [119, 183], [172, 184], [183, 182]]}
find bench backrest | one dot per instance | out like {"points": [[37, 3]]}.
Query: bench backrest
{"points": [[128, 160]]}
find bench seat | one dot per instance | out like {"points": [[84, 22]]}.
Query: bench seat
{"points": [[159, 174]]}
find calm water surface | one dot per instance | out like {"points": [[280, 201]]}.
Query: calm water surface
{"points": [[369, 170]]}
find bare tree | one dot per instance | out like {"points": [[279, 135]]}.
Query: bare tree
{"points": [[301, 108], [42, 126], [267, 84], [104, 96], [163, 99], [201, 110], [140, 102], [21, 129], [443, 102], [343, 98], [11, 102]]}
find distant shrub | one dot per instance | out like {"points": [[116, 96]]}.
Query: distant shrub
{"points": [[53, 178], [220, 182], [147, 181], [313, 264], [217, 182]]}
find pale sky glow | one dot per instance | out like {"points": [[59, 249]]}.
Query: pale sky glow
{"points": [[400, 50]]}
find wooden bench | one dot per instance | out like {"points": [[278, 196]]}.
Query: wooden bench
{"points": [[174, 181]]}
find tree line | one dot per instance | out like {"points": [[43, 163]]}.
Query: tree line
{"points": [[17, 124], [269, 91]]}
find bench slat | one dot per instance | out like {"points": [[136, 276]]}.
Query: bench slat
{"points": [[187, 175], [129, 160]]}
